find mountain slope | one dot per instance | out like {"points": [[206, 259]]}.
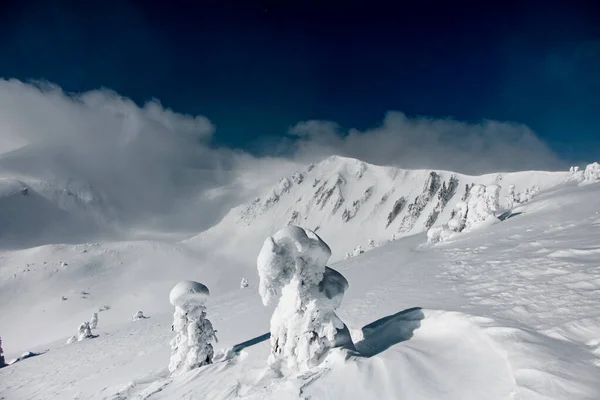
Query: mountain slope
{"points": [[507, 312], [358, 204], [39, 212]]}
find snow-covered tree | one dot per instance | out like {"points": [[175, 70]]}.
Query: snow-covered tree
{"points": [[510, 198], [482, 204], [292, 268], [244, 283], [576, 174], [84, 332], [458, 221], [138, 315], [492, 199], [94, 321], [592, 173], [357, 251], [191, 348], [439, 234]]}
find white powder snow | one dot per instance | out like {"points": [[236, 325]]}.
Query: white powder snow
{"points": [[505, 311]]}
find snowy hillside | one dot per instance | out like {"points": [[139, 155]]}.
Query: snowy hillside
{"points": [[39, 212], [509, 311], [71, 202], [358, 204]]}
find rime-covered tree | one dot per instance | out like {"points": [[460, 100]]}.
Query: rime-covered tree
{"points": [[304, 326], [83, 332], [94, 321], [191, 347], [592, 173], [511, 197]]}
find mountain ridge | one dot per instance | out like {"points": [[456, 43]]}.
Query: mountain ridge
{"points": [[367, 204]]}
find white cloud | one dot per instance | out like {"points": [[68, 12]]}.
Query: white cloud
{"points": [[155, 166], [489, 146], [157, 169]]}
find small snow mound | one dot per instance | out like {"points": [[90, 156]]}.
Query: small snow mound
{"points": [[188, 294], [138, 315], [244, 283], [443, 356]]}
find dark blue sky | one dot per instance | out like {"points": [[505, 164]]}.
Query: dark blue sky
{"points": [[257, 67]]}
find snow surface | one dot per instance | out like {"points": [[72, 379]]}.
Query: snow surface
{"points": [[507, 311]]}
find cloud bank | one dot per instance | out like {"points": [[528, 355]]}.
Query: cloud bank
{"points": [[405, 142], [156, 168]]}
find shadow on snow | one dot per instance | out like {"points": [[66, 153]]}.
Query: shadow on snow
{"points": [[248, 343], [382, 334], [378, 336]]}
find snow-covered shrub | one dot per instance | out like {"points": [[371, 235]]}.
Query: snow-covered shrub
{"points": [[84, 332], [592, 173], [298, 178], [292, 268], [575, 174], [244, 283], [357, 251], [94, 321], [434, 234], [442, 233], [138, 315], [191, 348]]}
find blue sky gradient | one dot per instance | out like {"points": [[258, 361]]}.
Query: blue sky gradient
{"points": [[256, 68]]}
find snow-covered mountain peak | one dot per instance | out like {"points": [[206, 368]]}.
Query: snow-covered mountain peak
{"points": [[369, 204]]}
